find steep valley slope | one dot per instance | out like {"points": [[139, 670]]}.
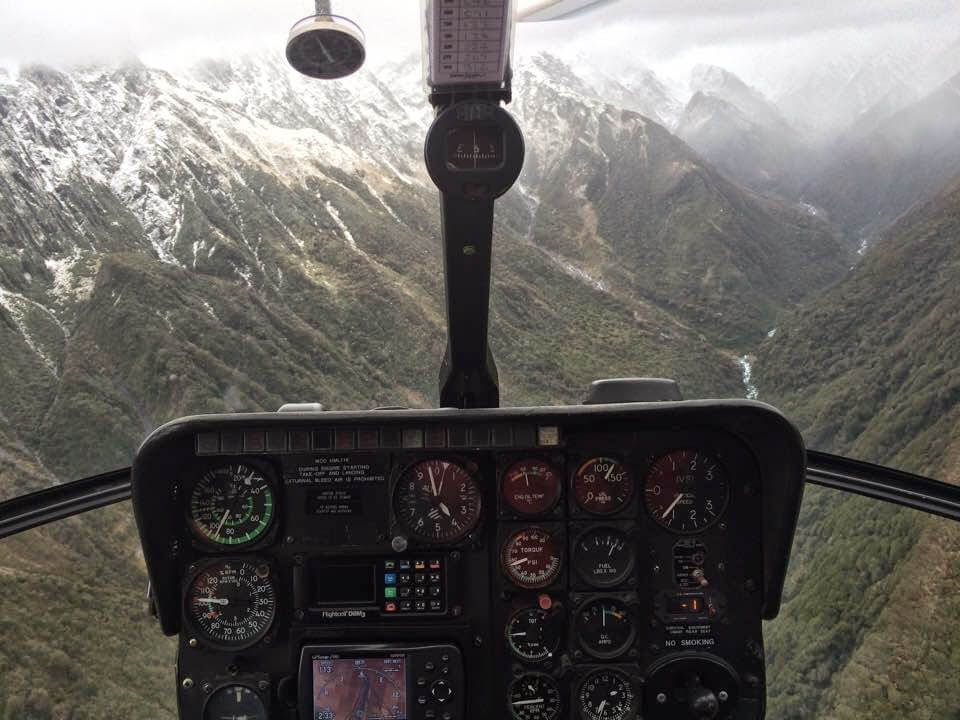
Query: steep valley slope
{"points": [[872, 369]]}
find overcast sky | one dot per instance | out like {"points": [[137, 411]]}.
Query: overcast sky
{"points": [[763, 40]]}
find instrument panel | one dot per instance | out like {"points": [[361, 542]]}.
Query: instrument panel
{"points": [[593, 563]]}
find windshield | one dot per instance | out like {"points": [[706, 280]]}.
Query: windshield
{"points": [[759, 200]]}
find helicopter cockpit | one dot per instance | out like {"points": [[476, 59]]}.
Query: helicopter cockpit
{"points": [[611, 560]]}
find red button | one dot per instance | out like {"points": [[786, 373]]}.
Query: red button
{"points": [[390, 607]]}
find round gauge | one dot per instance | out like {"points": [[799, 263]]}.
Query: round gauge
{"points": [[534, 696], [531, 558], [234, 701], [232, 603], [231, 505], [607, 695], [605, 628], [531, 487], [686, 491], [532, 635], [438, 501], [602, 486], [603, 557]]}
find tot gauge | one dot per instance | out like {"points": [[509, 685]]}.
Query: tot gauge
{"points": [[326, 46]]}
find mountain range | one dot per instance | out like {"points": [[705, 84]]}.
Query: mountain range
{"points": [[231, 237]]}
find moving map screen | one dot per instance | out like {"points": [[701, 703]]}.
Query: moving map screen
{"points": [[359, 688]]}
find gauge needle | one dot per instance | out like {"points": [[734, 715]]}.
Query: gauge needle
{"points": [[446, 510], [677, 499], [223, 521], [214, 601], [534, 701], [527, 479], [433, 483], [607, 476], [601, 707], [521, 561]]}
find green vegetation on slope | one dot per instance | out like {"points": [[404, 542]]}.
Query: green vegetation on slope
{"points": [[872, 370]]}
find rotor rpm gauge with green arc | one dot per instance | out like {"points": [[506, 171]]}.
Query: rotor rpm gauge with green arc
{"points": [[232, 505]]}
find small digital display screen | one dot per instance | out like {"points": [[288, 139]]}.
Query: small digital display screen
{"points": [[344, 585], [687, 605], [359, 688]]}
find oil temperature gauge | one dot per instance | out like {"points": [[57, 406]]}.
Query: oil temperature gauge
{"points": [[532, 558], [531, 487], [532, 635], [534, 696]]}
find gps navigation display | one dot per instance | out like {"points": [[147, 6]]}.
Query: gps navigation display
{"points": [[359, 688]]}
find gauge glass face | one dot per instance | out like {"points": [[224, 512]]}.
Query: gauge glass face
{"points": [[326, 53], [605, 628], [686, 491], [534, 696], [603, 557], [360, 688], [232, 603], [603, 486], [532, 558], [232, 505], [606, 695], [532, 635], [531, 487], [438, 501], [475, 148], [235, 701]]}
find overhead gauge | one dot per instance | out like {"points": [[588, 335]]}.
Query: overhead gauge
{"points": [[607, 694], [231, 603], [234, 701], [532, 558], [605, 628], [532, 635], [603, 486], [603, 557], [531, 487], [232, 505], [534, 696], [686, 491], [326, 46], [438, 501]]}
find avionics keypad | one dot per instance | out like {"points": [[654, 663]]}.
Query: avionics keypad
{"points": [[414, 586]]}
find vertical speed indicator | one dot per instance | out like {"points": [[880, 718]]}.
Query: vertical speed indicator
{"points": [[686, 491]]}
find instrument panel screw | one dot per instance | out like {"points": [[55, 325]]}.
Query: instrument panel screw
{"points": [[661, 698], [722, 696], [721, 566], [233, 669], [187, 683], [399, 543], [192, 642], [656, 569], [457, 611], [207, 688], [633, 652], [289, 539], [477, 641], [750, 585], [263, 686], [298, 614], [723, 526]]}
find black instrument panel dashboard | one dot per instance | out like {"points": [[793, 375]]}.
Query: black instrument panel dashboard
{"points": [[563, 557]]}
